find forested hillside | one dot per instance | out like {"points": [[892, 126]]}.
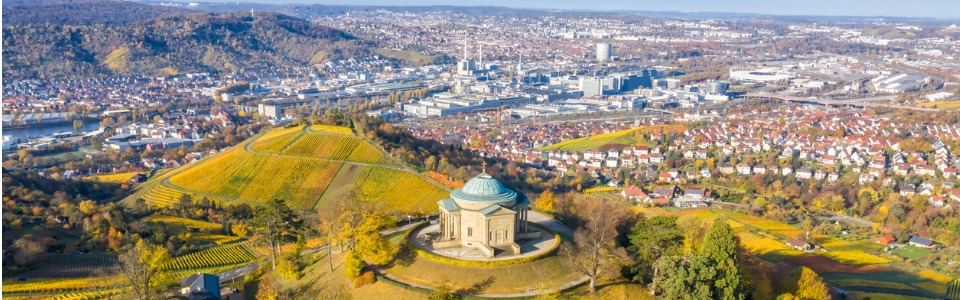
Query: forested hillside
{"points": [[167, 44], [83, 12]]}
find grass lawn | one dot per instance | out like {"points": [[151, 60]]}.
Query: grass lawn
{"points": [[911, 252], [541, 274], [317, 280]]}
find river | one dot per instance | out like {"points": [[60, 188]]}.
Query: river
{"points": [[38, 131]]}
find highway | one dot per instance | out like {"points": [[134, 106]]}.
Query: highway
{"points": [[860, 102]]}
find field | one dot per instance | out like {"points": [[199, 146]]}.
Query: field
{"points": [[628, 137], [949, 105], [114, 178], [911, 252], [298, 165]]}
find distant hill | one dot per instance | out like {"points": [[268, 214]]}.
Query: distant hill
{"points": [[173, 42], [82, 12]]}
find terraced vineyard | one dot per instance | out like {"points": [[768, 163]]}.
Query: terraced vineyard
{"points": [[399, 189], [260, 177], [87, 295], [165, 196], [233, 254], [277, 143]]}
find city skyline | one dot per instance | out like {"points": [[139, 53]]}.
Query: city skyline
{"points": [[854, 8]]}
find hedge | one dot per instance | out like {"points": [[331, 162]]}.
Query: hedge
{"points": [[494, 263]]}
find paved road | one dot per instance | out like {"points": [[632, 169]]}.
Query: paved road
{"points": [[237, 272], [865, 102]]}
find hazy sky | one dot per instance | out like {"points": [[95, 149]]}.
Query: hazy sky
{"points": [[900, 8]]}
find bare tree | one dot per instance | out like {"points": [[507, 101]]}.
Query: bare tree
{"points": [[594, 251], [28, 251]]}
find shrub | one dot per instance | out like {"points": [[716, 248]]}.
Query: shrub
{"points": [[289, 269], [367, 278], [353, 265]]}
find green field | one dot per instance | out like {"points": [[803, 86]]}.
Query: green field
{"points": [[628, 137], [911, 252], [299, 165]]}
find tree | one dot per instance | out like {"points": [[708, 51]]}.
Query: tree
{"points": [[650, 240], [353, 265], [368, 242], [684, 277], [547, 201], [276, 221], [720, 246], [811, 286], [77, 125], [28, 251], [141, 267], [444, 291], [240, 229], [594, 251]]}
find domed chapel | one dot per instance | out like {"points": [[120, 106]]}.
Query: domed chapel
{"points": [[484, 215]]}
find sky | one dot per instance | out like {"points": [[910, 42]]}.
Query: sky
{"points": [[948, 9]]}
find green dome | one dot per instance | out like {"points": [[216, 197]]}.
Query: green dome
{"points": [[484, 188]]}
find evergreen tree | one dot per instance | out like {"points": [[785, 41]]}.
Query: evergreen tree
{"points": [[651, 239], [684, 277], [720, 246]]}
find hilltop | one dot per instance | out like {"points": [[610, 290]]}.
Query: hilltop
{"points": [[83, 12], [173, 41], [302, 165]]}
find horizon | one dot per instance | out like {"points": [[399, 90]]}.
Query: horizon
{"points": [[854, 8]]}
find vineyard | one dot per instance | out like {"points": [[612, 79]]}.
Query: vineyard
{"points": [[228, 255], [953, 289], [259, 177], [332, 129], [282, 166], [165, 196], [48, 285], [114, 178], [334, 147], [855, 257], [87, 295], [275, 144], [633, 136], [935, 276], [402, 190]]}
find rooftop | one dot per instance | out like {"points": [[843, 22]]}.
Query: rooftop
{"points": [[484, 188]]}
